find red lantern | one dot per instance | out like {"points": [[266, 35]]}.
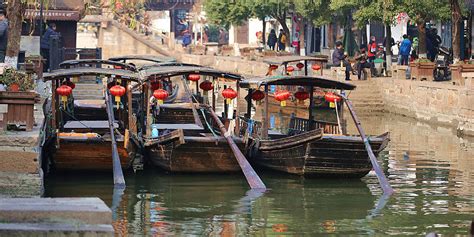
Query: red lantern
{"points": [[331, 97], [155, 85], [316, 67], [273, 67], [300, 66], [160, 95], [117, 91], [282, 96], [258, 95], [206, 85], [301, 96], [64, 91], [290, 69], [194, 77], [229, 94], [70, 84]]}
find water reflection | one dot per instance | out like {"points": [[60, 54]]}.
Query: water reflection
{"points": [[429, 167]]}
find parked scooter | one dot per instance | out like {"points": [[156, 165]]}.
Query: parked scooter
{"points": [[443, 59]]}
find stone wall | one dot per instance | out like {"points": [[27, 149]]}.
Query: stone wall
{"points": [[435, 102], [117, 40], [20, 169]]}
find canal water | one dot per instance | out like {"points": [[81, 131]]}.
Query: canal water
{"points": [[430, 168]]}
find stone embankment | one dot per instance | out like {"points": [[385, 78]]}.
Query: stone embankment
{"points": [[20, 155], [55, 217]]}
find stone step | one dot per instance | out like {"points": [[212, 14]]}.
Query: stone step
{"points": [[89, 211], [54, 229], [89, 97]]}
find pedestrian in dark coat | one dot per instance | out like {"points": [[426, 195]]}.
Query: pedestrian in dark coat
{"points": [[272, 39], [44, 44], [338, 58]]}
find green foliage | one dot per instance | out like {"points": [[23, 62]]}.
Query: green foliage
{"points": [[318, 11], [425, 10], [225, 13]]}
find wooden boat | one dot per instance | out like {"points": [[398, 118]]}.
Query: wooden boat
{"points": [[186, 138], [336, 153], [79, 135], [282, 64]]}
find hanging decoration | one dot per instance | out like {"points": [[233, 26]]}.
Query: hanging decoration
{"points": [[160, 95], [332, 99], [155, 85], [206, 85], [290, 69], [229, 94], [271, 68], [300, 66], [301, 96], [194, 77], [117, 91], [64, 91], [282, 96], [258, 95], [316, 67]]}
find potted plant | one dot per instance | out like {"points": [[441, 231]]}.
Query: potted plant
{"points": [[458, 68], [422, 69], [19, 98], [16, 81]]}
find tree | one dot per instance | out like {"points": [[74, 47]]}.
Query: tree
{"points": [[227, 12], [260, 10], [317, 11], [15, 11], [384, 11], [422, 11], [457, 7], [277, 9]]}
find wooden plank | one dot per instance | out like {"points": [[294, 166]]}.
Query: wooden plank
{"points": [[119, 180], [291, 141], [252, 178], [387, 189]]}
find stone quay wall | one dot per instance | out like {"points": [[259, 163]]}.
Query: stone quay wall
{"points": [[20, 154], [435, 102]]}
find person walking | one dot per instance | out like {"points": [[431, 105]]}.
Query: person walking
{"points": [[3, 35], [281, 40], [44, 44], [405, 48], [272, 39], [338, 58], [371, 51]]}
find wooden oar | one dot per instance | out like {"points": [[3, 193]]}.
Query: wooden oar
{"points": [[252, 177], [119, 181], [378, 171]]}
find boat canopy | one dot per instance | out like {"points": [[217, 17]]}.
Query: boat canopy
{"points": [[296, 81], [91, 71], [168, 64], [170, 71], [83, 62], [148, 58], [289, 59]]}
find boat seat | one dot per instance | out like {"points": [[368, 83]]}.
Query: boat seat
{"points": [[90, 104], [172, 126], [88, 124]]}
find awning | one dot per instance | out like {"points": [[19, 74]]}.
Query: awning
{"points": [[53, 15]]}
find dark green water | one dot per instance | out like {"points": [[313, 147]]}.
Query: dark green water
{"points": [[431, 170]]}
